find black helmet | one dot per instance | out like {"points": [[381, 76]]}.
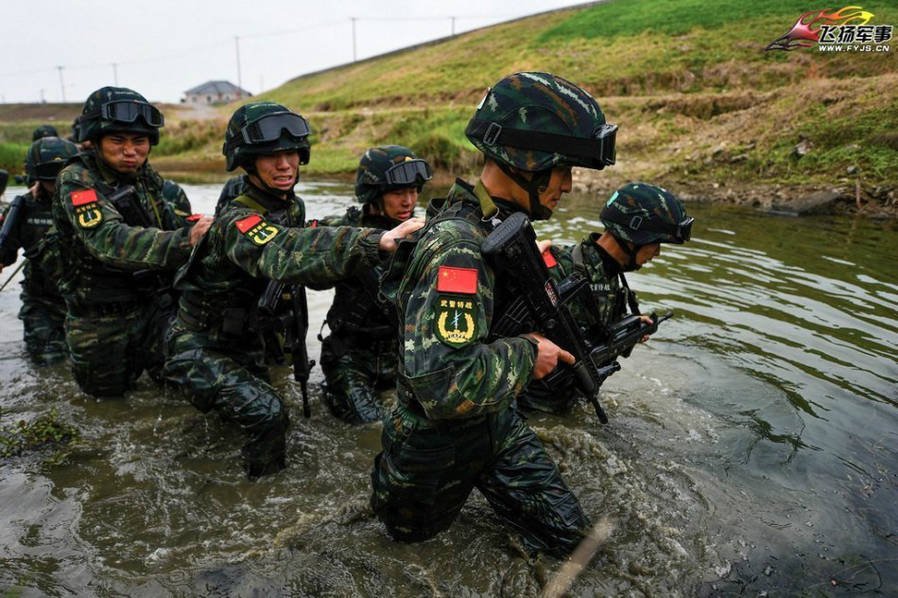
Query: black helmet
{"points": [[389, 167], [644, 214], [536, 121], [118, 109], [44, 131], [260, 128], [46, 157]]}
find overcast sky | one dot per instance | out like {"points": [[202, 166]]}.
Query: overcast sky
{"points": [[163, 47]]}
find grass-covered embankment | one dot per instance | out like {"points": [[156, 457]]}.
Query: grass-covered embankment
{"points": [[698, 100]]}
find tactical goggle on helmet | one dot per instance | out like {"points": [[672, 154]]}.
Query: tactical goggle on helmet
{"points": [[410, 173], [535, 121], [276, 129], [128, 111], [644, 214], [46, 157]]}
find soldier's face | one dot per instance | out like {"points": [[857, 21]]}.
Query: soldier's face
{"points": [[49, 187], [278, 171], [645, 253], [400, 203], [125, 152], [560, 182]]}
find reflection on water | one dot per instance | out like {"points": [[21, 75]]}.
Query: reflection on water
{"points": [[751, 449]]}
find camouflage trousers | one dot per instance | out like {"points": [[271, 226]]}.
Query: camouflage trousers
{"points": [[427, 469], [110, 348], [44, 323], [215, 377], [355, 373]]}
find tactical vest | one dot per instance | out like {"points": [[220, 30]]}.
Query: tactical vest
{"points": [[87, 280], [234, 312], [358, 309]]}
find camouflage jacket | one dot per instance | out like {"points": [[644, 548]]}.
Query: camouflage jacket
{"points": [[102, 249], [449, 298], [29, 233], [233, 187], [357, 309], [258, 238], [446, 301]]}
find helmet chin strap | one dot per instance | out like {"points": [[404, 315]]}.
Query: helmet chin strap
{"points": [[533, 186], [631, 250]]}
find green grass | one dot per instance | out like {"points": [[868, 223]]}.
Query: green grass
{"points": [[12, 156], [677, 17]]}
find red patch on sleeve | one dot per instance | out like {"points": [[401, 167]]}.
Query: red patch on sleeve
{"points": [[549, 259], [83, 197], [193, 217], [248, 222], [457, 280]]}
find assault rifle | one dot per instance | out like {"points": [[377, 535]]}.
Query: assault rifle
{"points": [[125, 201], [511, 249], [268, 305]]}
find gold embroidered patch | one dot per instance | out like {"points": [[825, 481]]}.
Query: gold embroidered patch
{"points": [[456, 325], [89, 215]]}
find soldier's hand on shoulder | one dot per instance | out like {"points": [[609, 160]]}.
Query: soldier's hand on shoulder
{"points": [[390, 239], [548, 354], [199, 229]]}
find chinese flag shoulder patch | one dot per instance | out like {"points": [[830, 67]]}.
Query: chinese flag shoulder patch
{"points": [[549, 259], [457, 280], [83, 197], [247, 223], [193, 217]]}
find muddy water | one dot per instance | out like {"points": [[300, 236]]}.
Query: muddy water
{"points": [[751, 449]]}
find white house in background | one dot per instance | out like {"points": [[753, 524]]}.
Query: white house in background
{"points": [[214, 92]]}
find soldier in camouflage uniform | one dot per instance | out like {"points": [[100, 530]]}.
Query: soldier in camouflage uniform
{"points": [[43, 309], [638, 217], [455, 426], [225, 334], [121, 244], [358, 358]]}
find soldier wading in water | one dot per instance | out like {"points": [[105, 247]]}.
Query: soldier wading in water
{"points": [[455, 427], [221, 341]]}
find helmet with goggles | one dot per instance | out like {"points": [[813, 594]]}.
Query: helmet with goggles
{"points": [[387, 168], [261, 128], [46, 157], [644, 214], [535, 121], [118, 110]]}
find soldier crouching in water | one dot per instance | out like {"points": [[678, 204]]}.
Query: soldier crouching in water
{"points": [[638, 218], [455, 427], [121, 244], [26, 224], [359, 356], [217, 346]]}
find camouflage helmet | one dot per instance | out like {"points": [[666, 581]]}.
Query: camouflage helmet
{"points": [[644, 214], [44, 131], [261, 128], [386, 168], [536, 121], [46, 157], [118, 109]]}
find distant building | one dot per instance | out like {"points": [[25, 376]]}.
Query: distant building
{"points": [[214, 92]]}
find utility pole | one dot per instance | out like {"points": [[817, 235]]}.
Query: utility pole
{"points": [[237, 46], [353, 19], [115, 73], [453, 26], [43, 101], [61, 84]]}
